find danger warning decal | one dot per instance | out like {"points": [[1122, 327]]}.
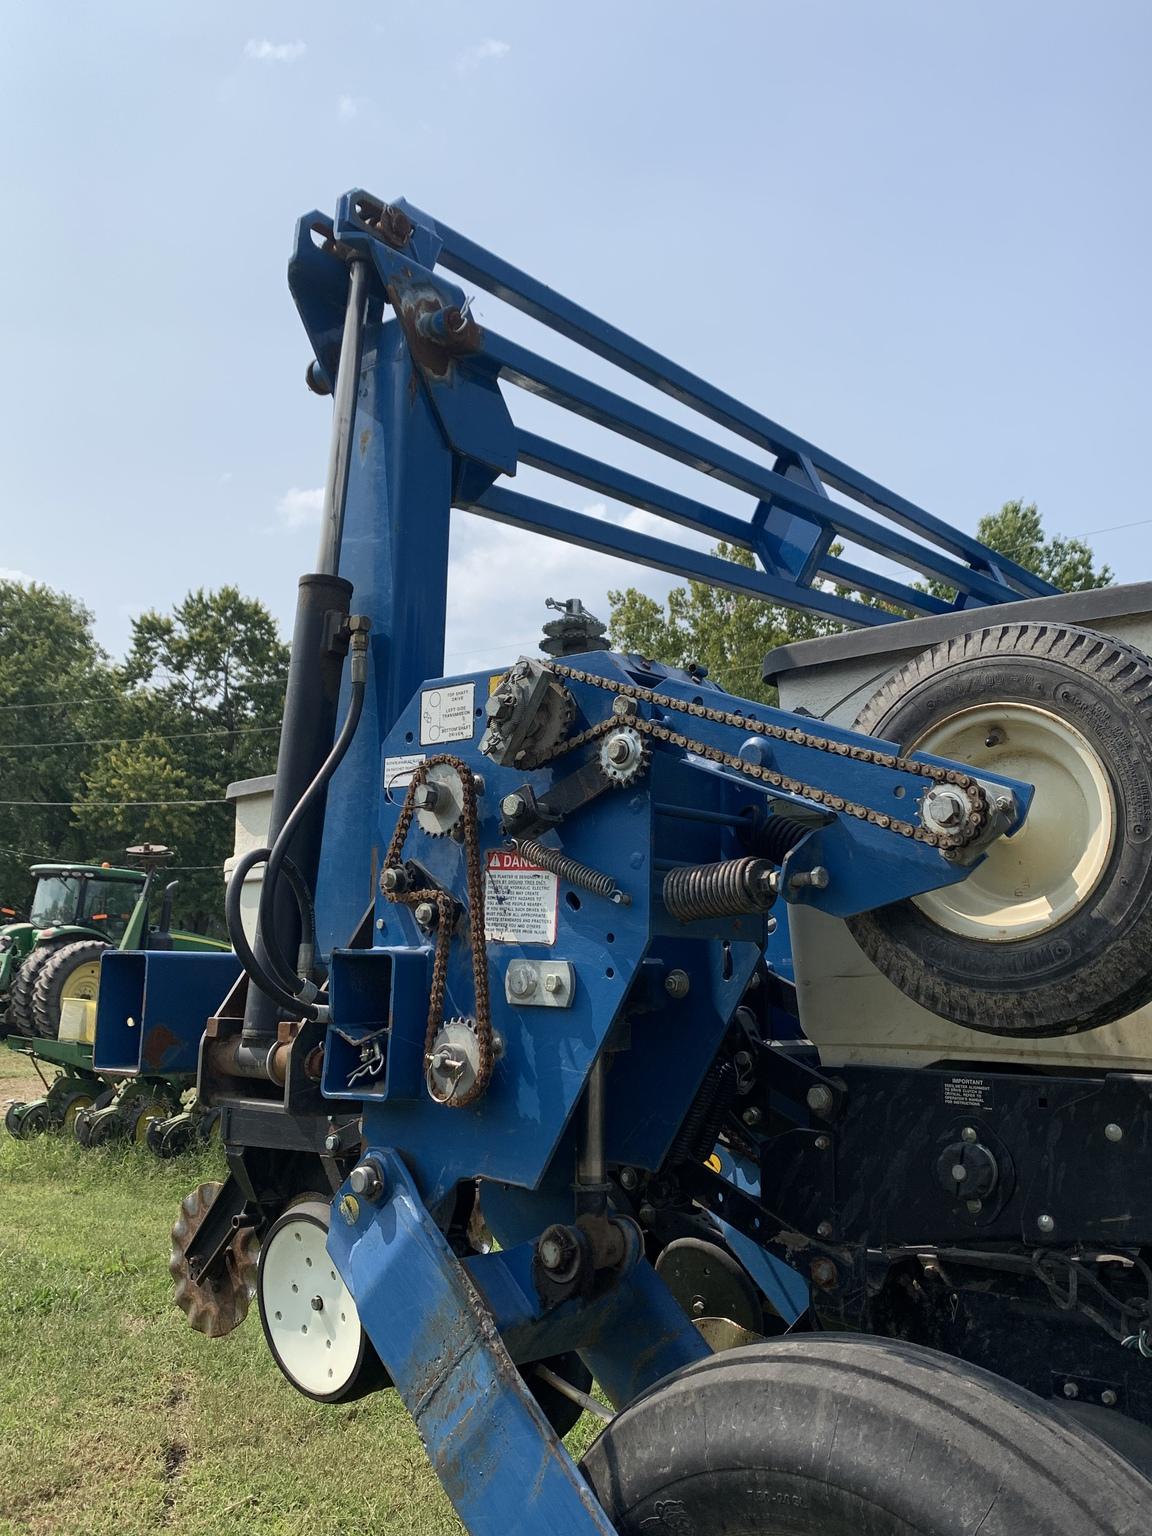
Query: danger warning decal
{"points": [[519, 901]]}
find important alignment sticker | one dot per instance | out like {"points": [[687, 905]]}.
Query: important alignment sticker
{"points": [[447, 714], [519, 901], [968, 1092]]}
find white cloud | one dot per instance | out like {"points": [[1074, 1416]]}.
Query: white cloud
{"points": [[480, 53], [274, 53], [498, 578], [347, 108], [22, 578], [299, 509]]}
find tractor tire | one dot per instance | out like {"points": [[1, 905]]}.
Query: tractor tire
{"points": [[20, 992], [844, 1435], [72, 967], [1051, 934]]}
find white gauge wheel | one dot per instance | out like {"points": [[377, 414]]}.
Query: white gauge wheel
{"points": [[1036, 879], [310, 1320]]}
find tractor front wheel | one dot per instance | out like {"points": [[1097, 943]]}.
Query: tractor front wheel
{"points": [[839, 1435]]}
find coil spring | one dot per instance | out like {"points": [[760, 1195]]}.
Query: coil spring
{"points": [[558, 863], [719, 890], [701, 1128], [777, 837]]}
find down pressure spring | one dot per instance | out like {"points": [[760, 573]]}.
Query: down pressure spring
{"points": [[720, 890], [571, 870]]}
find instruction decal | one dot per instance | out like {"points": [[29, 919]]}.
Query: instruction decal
{"points": [[968, 1092], [519, 900], [447, 714], [398, 771]]}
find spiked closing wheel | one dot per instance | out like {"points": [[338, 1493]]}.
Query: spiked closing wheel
{"points": [[213, 1307]]}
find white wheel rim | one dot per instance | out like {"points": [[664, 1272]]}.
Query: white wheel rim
{"points": [[1036, 879], [319, 1348]]}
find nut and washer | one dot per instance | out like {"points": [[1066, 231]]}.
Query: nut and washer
{"points": [[677, 984], [367, 1180], [426, 914], [1045, 1223]]}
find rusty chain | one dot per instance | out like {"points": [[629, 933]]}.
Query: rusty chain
{"points": [[978, 801], [444, 904]]}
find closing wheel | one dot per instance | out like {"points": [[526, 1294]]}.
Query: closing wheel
{"points": [[24, 1121], [66, 1098], [1051, 933], [309, 1317], [838, 1435]]}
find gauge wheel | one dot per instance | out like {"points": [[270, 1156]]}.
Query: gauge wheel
{"points": [[66, 1098], [309, 1317], [1051, 932], [72, 971], [837, 1435]]}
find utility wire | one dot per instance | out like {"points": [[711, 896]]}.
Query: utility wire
{"points": [[121, 741], [110, 804]]}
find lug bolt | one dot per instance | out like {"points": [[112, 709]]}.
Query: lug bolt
{"points": [[968, 1133], [974, 1207], [366, 1181], [959, 1173], [820, 1099], [677, 984]]}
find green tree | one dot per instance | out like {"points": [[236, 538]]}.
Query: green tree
{"points": [[1017, 531], [201, 694], [730, 633], [55, 684]]}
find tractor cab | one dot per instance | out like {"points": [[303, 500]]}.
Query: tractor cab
{"points": [[84, 898]]}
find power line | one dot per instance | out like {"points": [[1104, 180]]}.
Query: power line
{"points": [[109, 804], [55, 703], [112, 741]]}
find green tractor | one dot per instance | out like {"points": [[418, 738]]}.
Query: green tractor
{"points": [[79, 911], [49, 983]]}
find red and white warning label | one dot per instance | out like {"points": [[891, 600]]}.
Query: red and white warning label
{"points": [[519, 900]]}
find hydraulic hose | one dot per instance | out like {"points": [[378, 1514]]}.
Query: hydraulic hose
{"points": [[277, 857], [274, 987]]}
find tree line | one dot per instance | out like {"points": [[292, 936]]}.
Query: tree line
{"points": [[730, 633], [98, 754]]}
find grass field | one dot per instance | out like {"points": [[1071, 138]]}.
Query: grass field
{"points": [[116, 1419]]}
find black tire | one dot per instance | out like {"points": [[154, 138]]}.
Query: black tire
{"points": [[841, 1435], [20, 992], [1096, 965], [51, 978]]}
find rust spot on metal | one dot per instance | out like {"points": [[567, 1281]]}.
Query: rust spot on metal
{"points": [[392, 225], [157, 1046]]}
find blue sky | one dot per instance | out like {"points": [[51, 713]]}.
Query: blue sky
{"points": [[917, 233]]}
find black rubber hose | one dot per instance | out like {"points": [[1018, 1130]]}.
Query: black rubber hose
{"points": [[272, 986], [276, 858]]}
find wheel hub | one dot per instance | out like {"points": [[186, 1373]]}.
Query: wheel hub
{"points": [[1034, 880], [308, 1312]]}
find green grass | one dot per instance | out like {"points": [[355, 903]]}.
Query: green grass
{"points": [[116, 1419]]}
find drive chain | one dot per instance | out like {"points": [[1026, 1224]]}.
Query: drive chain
{"points": [[974, 822], [394, 859]]}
